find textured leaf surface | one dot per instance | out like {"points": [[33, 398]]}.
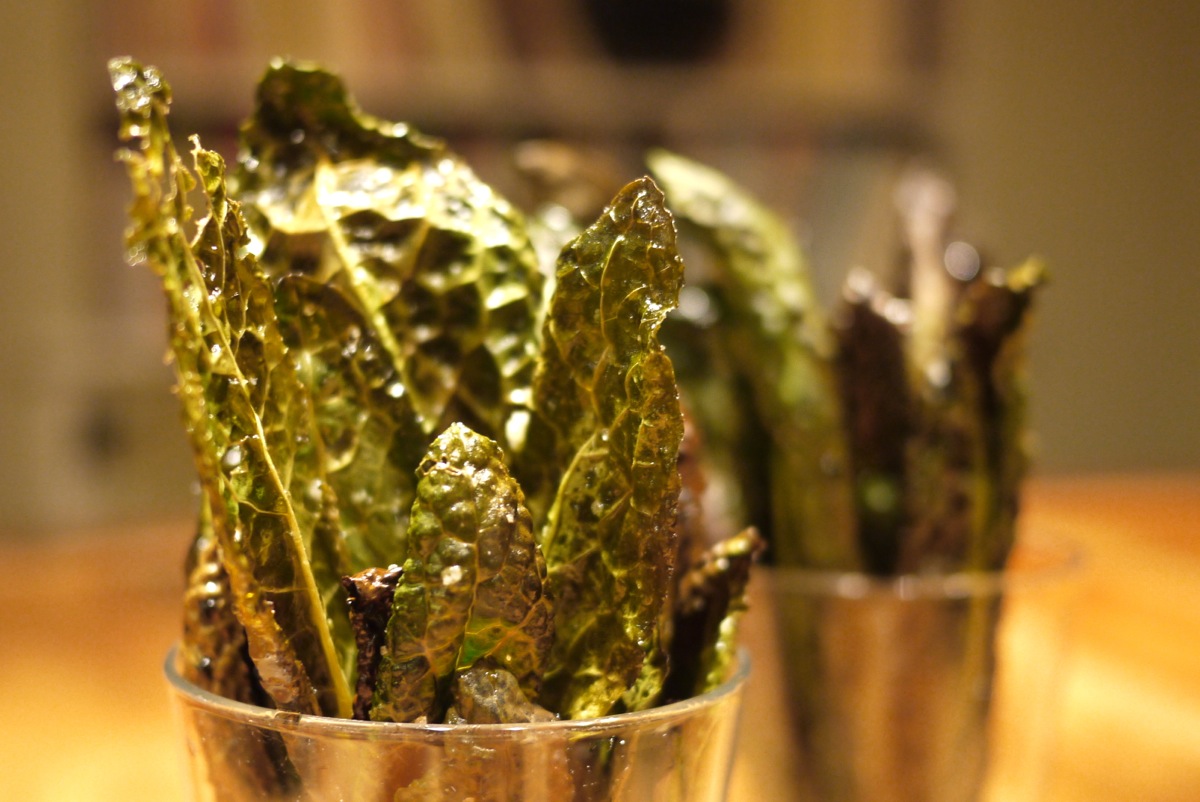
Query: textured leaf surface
{"points": [[240, 396], [368, 439], [605, 391], [472, 588], [440, 266], [778, 336]]}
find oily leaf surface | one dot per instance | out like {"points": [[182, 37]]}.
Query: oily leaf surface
{"points": [[368, 437], [240, 395], [472, 587], [777, 335], [605, 395], [440, 266]]}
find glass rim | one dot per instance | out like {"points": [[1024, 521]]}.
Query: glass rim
{"points": [[1036, 563], [286, 721]]}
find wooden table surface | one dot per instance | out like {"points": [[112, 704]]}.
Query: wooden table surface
{"points": [[86, 618]]}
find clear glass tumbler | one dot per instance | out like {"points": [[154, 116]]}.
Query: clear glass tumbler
{"points": [[926, 688], [682, 751]]}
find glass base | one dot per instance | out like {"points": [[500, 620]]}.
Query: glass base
{"points": [[682, 751]]}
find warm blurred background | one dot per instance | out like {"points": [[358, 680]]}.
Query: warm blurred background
{"points": [[1068, 127]]}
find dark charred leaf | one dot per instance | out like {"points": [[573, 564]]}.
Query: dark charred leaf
{"points": [[993, 324], [968, 455], [872, 370], [213, 655], [472, 587], [944, 474], [711, 597], [240, 396], [779, 340], [369, 596], [605, 392], [213, 650]]}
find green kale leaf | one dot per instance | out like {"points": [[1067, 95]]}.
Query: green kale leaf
{"points": [[777, 336], [472, 584], [605, 395], [439, 265], [244, 406], [429, 489]]}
